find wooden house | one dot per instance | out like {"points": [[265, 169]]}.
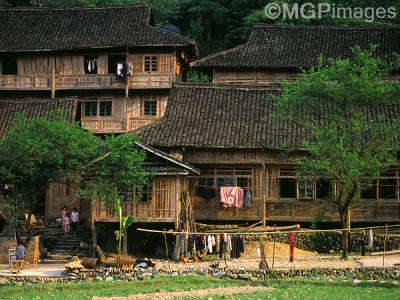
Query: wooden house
{"points": [[119, 64], [229, 133], [274, 53]]}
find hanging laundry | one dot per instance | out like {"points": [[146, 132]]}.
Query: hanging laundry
{"points": [[228, 243], [291, 244], [130, 69], [217, 242], [209, 243], [247, 199], [231, 196], [258, 252], [213, 240], [371, 239]]}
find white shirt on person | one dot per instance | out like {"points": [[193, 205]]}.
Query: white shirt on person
{"points": [[74, 216]]}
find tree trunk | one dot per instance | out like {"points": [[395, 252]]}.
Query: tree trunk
{"points": [[345, 222]]}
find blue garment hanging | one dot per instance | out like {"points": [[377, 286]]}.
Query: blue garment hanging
{"points": [[247, 199]]}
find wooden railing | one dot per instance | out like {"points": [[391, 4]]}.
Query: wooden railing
{"points": [[87, 81], [147, 81], [211, 209], [103, 125], [320, 210], [161, 208], [141, 211], [24, 82]]}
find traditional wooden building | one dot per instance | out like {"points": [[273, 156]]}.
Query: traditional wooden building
{"points": [[119, 64], [274, 53], [229, 133]]}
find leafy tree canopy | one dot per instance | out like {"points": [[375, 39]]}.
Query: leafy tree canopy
{"points": [[36, 152], [341, 140]]}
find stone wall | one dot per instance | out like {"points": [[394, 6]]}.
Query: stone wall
{"points": [[111, 274]]}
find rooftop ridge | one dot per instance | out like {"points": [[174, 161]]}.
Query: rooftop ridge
{"points": [[363, 26], [228, 86], [145, 5]]}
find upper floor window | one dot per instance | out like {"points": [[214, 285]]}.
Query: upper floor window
{"points": [[113, 61], [306, 189], [91, 63], [98, 108], [145, 194], [150, 108], [150, 63], [9, 66]]}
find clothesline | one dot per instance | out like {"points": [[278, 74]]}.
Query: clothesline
{"points": [[267, 232]]}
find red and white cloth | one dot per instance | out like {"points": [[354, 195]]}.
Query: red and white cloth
{"points": [[231, 196]]}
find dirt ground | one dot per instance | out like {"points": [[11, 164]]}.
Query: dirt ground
{"points": [[281, 250], [242, 263], [192, 294]]}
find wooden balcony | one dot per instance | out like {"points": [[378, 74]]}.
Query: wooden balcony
{"points": [[103, 125], [150, 81], [88, 82], [13, 82], [320, 210], [212, 210]]}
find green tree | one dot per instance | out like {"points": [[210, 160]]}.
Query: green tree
{"points": [[340, 140], [35, 152], [114, 173]]}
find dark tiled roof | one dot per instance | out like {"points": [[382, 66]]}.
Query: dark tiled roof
{"points": [[80, 28], [272, 46], [216, 116], [9, 108]]}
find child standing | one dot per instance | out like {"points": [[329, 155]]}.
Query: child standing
{"points": [[66, 222], [74, 220]]}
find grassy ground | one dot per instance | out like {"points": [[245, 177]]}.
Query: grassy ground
{"points": [[326, 288]]}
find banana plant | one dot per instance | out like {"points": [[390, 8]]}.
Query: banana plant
{"points": [[124, 223]]}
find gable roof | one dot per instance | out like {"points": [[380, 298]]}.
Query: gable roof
{"points": [[9, 108], [227, 116], [274, 46], [179, 165], [45, 29]]}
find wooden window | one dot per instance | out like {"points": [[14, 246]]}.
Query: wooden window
{"points": [[370, 192], [150, 108], [9, 65], [208, 185], [387, 188], [287, 188], [145, 194], [205, 188], [150, 63], [113, 60], [105, 108], [306, 189], [91, 64], [324, 188], [91, 109]]}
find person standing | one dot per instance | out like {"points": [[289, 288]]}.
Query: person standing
{"points": [[67, 223], [63, 213], [74, 220]]}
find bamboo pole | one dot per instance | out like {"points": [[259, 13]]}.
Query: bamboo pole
{"points": [[273, 252], [384, 246], [268, 231]]}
